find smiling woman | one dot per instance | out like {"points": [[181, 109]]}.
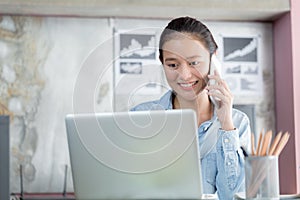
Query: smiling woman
{"points": [[186, 48]]}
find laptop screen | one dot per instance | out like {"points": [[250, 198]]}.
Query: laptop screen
{"points": [[135, 155]]}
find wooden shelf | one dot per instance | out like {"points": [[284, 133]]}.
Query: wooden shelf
{"points": [[246, 10]]}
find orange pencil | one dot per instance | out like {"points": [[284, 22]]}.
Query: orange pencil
{"points": [[266, 143], [275, 143], [281, 144], [259, 144]]}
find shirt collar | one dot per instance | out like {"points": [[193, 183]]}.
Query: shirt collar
{"points": [[166, 101]]}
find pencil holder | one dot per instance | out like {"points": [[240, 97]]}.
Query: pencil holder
{"points": [[262, 179]]}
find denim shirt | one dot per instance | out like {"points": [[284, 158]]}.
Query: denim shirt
{"points": [[223, 167]]}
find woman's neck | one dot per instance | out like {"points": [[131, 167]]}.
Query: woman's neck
{"points": [[201, 105]]}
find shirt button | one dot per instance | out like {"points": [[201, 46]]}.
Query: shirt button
{"points": [[226, 140], [229, 163]]}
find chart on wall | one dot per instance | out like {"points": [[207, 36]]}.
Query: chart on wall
{"points": [[136, 65], [241, 65]]}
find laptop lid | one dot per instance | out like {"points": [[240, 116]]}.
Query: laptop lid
{"points": [[4, 157], [135, 155]]}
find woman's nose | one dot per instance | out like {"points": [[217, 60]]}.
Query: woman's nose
{"points": [[185, 72]]}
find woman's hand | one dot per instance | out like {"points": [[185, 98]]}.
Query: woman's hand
{"points": [[222, 94]]}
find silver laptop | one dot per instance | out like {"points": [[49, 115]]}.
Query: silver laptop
{"points": [[135, 155]]}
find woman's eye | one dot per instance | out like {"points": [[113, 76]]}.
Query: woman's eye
{"points": [[172, 65], [194, 63]]}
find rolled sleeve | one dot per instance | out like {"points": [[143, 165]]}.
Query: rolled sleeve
{"points": [[230, 159]]}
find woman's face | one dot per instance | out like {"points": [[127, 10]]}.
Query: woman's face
{"points": [[186, 64]]}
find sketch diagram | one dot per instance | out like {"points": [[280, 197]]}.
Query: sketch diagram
{"points": [[241, 65], [136, 67], [137, 46], [247, 85], [130, 67], [251, 69], [240, 49], [236, 69]]}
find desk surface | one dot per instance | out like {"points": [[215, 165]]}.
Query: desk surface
{"points": [[43, 196], [241, 196], [71, 196]]}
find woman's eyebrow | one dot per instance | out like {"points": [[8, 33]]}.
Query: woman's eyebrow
{"points": [[193, 57], [188, 58], [170, 59]]}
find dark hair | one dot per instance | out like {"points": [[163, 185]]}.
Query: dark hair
{"points": [[189, 27]]}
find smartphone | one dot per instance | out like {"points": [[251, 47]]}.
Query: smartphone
{"points": [[214, 65]]}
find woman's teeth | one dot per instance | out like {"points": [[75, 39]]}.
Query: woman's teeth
{"points": [[187, 84]]}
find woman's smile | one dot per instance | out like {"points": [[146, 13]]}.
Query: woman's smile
{"points": [[188, 85]]}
